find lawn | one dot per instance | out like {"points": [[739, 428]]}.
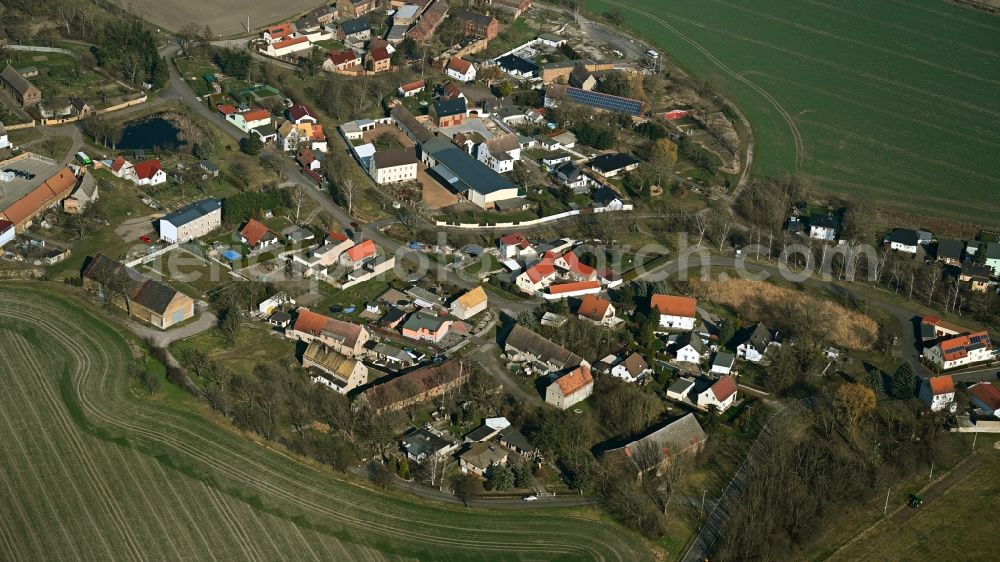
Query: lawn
{"points": [[892, 102], [111, 474], [64, 75], [355, 296]]}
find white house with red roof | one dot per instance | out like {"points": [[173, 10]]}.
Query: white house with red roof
{"points": [[573, 289], [411, 89], [6, 232], [149, 172], [288, 46], [257, 235], [571, 388], [249, 120], [986, 397], [356, 256], [574, 268], [597, 310], [938, 392], [279, 32], [539, 276], [461, 69], [722, 394], [958, 351], [341, 60], [676, 313], [516, 246], [122, 168], [299, 113]]}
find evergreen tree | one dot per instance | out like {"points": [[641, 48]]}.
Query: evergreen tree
{"points": [[875, 381], [903, 382], [499, 477], [251, 144]]}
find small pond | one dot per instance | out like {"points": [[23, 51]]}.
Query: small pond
{"points": [[150, 134]]}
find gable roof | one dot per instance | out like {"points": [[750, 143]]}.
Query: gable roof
{"points": [[575, 380], [611, 162], [147, 169], [415, 85], [571, 287], [362, 251], [342, 365], [724, 388], [421, 320], [576, 266], [904, 236], [943, 384], [512, 63], [672, 439], [407, 121], [449, 107], [193, 211], [257, 114], [56, 187], [298, 111], [379, 54], [415, 383], [987, 394], [118, 163], [950, 249], [459, 65], [280, 30], [515, 239], [959, 347], [823, 221], [593, 307], [635, 364], [524, 340], [337, 236], [605, 195], [342, 57], [672, 305], [148, 293], [289, 42], [309, 322], [758, 336], [357, 25], [255, 231], [14, 79], [579, 76], [473, 298], [395, 157], [541, 270], [464, 173]]}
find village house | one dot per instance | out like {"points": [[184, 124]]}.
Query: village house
{"points": [[689, 348], [355, 8], [500, 152], [425, 326], [147, 299], [423, 443], [631, 369], [723, 363], [449, 113], [378, 60], [343, 337], [753, 343], [517, 67], [993, 257], [655, 452], [521, 344], [279, 32], [257, 236], [582, 78], [823, 227], [597, 310], [469, 304], [416, 386], [572, 289], [676, 313], [537, 277], [721, 395], [429, 21], [474, 24], [341, 60], [192, 221], [575, 269], [481, 456], [950, 252], [286, 47], [986, 397], [938, 392], [355, 257], [86, 192], [961, 350], [411, 89], [516, 246], [571, 388], [680, 389], [337, 372], [249, 120], [149, 172], [613, 165], [572, 176], [394, 166], [903, 240], [354, 31], [461, 70], [976, 277]]}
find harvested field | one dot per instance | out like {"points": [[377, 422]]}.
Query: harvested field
{"points": [[107, 474], [225, 17], [780, 308], [889, 102]]}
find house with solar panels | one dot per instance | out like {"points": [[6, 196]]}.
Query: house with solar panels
{"points": [[558, 93]]}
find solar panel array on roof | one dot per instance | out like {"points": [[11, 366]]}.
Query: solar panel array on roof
{"points": [[606, 101]]}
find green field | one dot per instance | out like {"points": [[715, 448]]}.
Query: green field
{"points": [[93, 470], [896, 101]]}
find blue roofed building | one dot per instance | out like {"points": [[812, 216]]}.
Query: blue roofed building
{"points": [[558, 93], [463, 174], [193, 221]]}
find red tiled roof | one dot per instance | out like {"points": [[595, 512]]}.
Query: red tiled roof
{"points": [[362, 251], [318, 134], [929, 319], [941, 385], [541, 270], [298, 111], [147, 169], [593, 307], [575, 380], [571, 287], [515, 239], [724, 388], [342, 57], [280, 30], [55, 188], [290, 42], [674, 306], [576, 266], [956, 348], [987, 394], [5, 226], [226, 109], [379, 54], [339, 237], [254, 232], [256, 114], [118, 163], [459, 65], [309, 322], [415, 85]]}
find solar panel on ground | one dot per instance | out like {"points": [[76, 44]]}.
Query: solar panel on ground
{"points": [[605, 101]]}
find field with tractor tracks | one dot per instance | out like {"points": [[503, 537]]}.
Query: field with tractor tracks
{"points": [[896, 101], [92, 470], [225, 17]]}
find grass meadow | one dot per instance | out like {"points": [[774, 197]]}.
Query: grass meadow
{"points": [[96, 470], [895, 102]]}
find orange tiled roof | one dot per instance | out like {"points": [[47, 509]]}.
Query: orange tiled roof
{"points": [[942, 385], [362, 251], [987, 394], [575, 380], [724, 388], [55, 188], [147, 169], [415, 85], [541, 270], [674, 305], [593, 307], [459, 65], [256, 114], [290, 42], [571, 287], [254, 232], [578, 267]]}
